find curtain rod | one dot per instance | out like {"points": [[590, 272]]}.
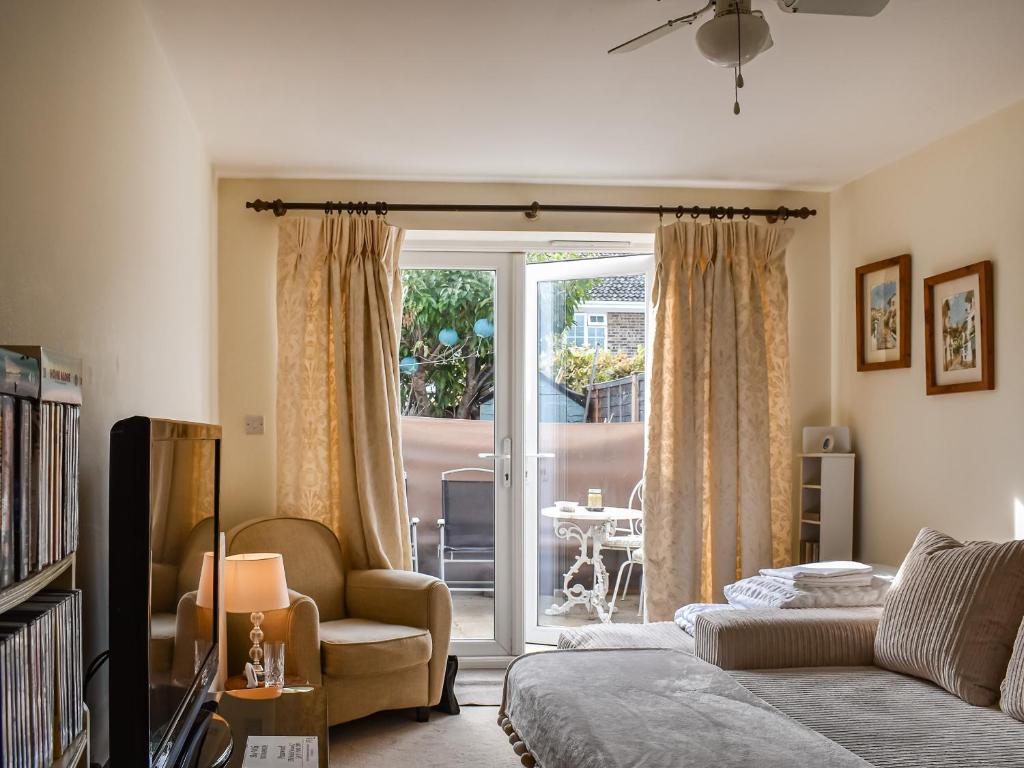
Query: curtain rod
{"points": [[534, 209]]}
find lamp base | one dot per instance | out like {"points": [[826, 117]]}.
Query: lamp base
{"points": [[256, 651]]}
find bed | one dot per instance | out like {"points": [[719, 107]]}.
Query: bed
{"points": [[655, 708]]}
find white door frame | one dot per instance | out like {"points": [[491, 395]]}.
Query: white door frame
{"points": [[508, 269], [533, 632]]}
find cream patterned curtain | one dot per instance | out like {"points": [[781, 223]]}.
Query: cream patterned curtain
{"points": [[717, 475], [339, 456]]}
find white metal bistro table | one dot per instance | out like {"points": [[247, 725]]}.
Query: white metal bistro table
{"points": [[590, 528]]}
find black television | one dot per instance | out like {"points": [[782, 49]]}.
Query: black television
{"points": [[164, 517]]}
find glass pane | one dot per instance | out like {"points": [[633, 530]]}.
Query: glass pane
{"points": [[447, 379], [590, 410]]}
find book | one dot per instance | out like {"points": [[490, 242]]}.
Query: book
{"points": [[281, 752], [6, 490], [41, 700]]}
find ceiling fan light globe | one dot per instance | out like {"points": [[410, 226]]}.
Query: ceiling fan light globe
{"points": [[717, 39]]}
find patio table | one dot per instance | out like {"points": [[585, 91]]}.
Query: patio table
{"points": [[590, 528]]}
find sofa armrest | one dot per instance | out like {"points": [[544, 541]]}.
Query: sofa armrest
{"points": [[776, 638], [410, 599]]}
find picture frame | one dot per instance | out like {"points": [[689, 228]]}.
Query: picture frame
{"points": [[883, 314], [959, 330]]}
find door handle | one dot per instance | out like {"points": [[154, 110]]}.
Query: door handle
{"points": [[506, 461]]}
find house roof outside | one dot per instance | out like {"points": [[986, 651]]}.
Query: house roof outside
{"points": [[620, 288]]}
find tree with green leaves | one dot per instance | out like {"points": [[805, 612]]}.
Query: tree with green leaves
{"points": [[447, 343]]}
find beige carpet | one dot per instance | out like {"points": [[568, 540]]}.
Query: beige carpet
{"points": [[394, 739], [479, 687]]}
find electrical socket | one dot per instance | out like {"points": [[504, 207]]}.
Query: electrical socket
{"points": [[253, 425]]}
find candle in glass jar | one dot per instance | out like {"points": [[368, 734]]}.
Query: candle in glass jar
{"points": [[594, 498]]}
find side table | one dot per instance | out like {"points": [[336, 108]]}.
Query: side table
{"points": [[297, 709]]}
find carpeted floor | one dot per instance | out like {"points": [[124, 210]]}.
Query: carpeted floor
{"points": [[394, 739], [479, 687]]}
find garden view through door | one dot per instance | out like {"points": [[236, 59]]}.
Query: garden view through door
{"points": [[523, 384], [456, 439], [585, 335]]}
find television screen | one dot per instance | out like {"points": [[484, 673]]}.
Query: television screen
{"points": [[164, 486], [181, 531]]}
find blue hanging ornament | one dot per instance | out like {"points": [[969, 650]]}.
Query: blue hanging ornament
{"points": [[483, 328], [408, 365], [448, 336]]}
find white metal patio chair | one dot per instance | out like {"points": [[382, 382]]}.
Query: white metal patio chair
{"points": [[628, 539]]}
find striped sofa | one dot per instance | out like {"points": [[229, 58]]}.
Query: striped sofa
{"points": [[816, 666]]}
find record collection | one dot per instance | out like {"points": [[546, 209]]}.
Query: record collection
{"points": [[41, 665], [41, 696], [40, 400]]}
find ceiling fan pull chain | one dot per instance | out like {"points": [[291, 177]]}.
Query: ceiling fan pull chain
{"points": [[738, 72]]}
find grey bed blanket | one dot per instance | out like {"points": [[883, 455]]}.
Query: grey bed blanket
{"points": [[651, 708]]}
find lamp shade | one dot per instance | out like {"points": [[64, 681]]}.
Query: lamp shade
{"points": [[204, 597], [254, 582]]}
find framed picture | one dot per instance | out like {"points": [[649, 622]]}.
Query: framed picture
{"points": [[959, 332], [883, 314]]}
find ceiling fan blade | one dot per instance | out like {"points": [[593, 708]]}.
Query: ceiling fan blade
{"points": [[835, 7], [647, 37], [658, 32]]}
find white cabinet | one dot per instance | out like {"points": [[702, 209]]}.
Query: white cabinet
{"points": [[826, 507]]}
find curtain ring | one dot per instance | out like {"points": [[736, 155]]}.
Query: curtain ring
{"points": [[695, 213], [351, 208], [327, 208], [279, 208], [680, 211], [746, 213], [785, 214], [728, 213], [661, 216]]}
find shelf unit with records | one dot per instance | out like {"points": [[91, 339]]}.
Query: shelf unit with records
{"points": [[44, 722]]}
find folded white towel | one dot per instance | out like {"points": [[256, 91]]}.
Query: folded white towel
{"points": [[686, 616], [768, 592], [853, 580], [825, 569]]}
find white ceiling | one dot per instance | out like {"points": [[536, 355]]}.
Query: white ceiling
{"points": [[523, 90]]}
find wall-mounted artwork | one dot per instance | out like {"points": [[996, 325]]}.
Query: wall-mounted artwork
{"points": [[883, 314], [959, 332]]}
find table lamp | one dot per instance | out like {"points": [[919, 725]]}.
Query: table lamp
{"points": [[253, 583]]}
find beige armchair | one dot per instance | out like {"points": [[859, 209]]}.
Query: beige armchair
{"points": [[374, 639]]}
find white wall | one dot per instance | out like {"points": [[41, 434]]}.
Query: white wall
{"points": [[105, 238], [954, 462], [247, 258]]}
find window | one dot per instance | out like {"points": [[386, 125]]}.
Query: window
{"points": [[575, 334], [596, 331], [587, 331]]}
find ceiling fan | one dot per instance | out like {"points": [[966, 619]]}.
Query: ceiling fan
{"points": [[737, 33]]}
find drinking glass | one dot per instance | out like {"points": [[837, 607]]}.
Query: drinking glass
{"points": [[273, 663]]}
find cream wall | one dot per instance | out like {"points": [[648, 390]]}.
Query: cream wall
{"points": [[105, 239], [247, 254], [955, 462]]}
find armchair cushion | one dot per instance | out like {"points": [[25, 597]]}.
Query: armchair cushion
{"points": [[772, 638], [352, 647]]}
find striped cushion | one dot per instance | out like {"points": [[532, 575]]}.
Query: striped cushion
{"points": [[890, 720], [1012, 688], [952, 614]]}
